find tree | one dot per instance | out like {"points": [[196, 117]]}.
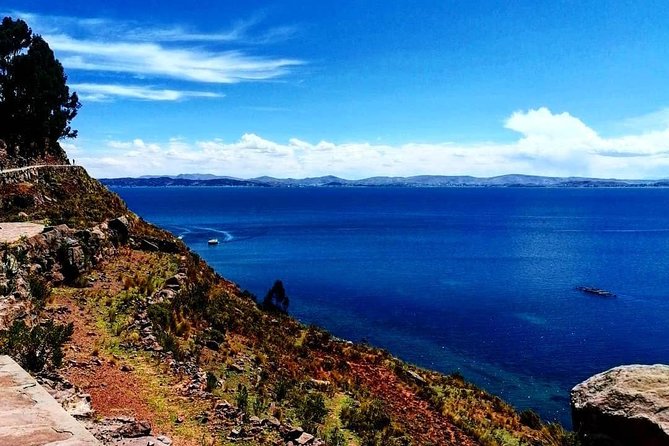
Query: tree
{"points": [[36, 106], [276, 298]]}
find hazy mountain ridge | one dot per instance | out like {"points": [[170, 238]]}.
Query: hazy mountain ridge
{"points": [[512, 180]]}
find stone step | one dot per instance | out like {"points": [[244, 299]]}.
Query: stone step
{"points": [[29, 416]]}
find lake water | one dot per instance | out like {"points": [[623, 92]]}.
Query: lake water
{"points": [[481, 281]]}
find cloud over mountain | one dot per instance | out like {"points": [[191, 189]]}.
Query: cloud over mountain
{"points": [[554, 144]]}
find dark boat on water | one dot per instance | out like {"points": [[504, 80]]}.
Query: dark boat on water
{"points": [[595, 291]]}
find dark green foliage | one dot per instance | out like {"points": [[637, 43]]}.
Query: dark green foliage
{"points": [[170, 343], [195, 298], [311, 410], [531, 419], [281, 390], [242, 398], [370, 421], [40, 290], [212, 382], [259, 405], [36, 106], [276, 298], [36, 347], [160, 315], [369, 416]]}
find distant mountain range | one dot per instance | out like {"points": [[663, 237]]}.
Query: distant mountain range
{"points": [[415, 181]]}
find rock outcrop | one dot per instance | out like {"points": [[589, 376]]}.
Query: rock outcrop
{"points": [[627, 405]]}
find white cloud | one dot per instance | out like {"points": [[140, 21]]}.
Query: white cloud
{"points": [[549, 144], [155, 60], [541, 125], [246, 31], [658, 119], [106, 92], [133, 51]]}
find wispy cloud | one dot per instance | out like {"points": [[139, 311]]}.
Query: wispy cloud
{"points": [[96, 47], [658, 119], [247, 31], [107, 92], [549, 144], [154, 60]]}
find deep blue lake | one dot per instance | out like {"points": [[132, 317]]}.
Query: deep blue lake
{"points": [[481, 281]]}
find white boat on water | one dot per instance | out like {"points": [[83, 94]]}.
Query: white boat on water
{"points": [[213, 241]]}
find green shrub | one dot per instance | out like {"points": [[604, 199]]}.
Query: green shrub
{"points": [[242, 398], [160, 315], [36, 347], [334, 437], [311, 410], [369, 416], [281, 390], [212, 382], [372, 424], [530, 419], [40, 290], [259, 405]]}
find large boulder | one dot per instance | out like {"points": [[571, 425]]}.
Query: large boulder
{"points": [[627, 405]]}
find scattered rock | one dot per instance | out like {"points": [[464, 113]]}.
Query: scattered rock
{"points": [[416, 376], [235, 368], [125, 431], [304, 438], [320, 384], [121, 226], [293, 433], [135, 429]]}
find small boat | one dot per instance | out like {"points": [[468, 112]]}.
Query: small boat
{"points": [[596, 291], [181, 237], [213, 241]]}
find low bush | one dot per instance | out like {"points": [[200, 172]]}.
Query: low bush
{"points": [[334, 437], [36, 347], [40, 290], [311, 410], [372, 423], [212, 382], [530, 419], [369, 416], [242, 398]]}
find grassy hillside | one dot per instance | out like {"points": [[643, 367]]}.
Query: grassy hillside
{"points": [[159, 335]]}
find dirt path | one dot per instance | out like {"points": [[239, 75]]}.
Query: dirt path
{"points": [[38, 166]]}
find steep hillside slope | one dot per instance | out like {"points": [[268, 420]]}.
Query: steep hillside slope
{"points": [[158, 335]]}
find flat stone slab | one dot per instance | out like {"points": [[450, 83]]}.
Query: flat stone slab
{"points": [[29, 416], [13, 231]]}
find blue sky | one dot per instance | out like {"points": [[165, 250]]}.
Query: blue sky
{"points": [[362, 88]]}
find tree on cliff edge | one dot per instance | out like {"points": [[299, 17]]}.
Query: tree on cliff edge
{"points": [[36, 106], [276, 298]]}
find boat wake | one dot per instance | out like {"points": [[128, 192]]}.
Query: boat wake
{"points": [[227, 237]]}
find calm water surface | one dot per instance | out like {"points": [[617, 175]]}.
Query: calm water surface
{"points": [[475, 280]]}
